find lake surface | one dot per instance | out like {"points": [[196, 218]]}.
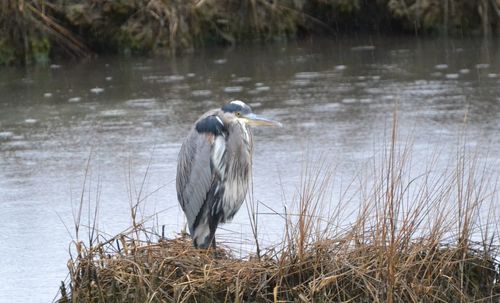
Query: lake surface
{"points": [[127, 118]]}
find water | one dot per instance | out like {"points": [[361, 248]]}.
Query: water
{"points": [[127, 117]]}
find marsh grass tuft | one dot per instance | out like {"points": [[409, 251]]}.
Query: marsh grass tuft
{"points": [[413, 239]]}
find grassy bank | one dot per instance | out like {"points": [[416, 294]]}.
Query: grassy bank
{"points": [[426, 238], [331, 270], [37, 30]]}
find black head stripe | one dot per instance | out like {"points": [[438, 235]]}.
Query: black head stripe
{"points": [[237, 106], [211, 124]]}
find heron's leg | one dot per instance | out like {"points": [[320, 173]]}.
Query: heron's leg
{"points": [[218, 254], [213, 247], [213, 222], [212, 243], [211, 237]]}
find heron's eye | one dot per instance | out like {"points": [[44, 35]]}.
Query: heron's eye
{"points": [[238, 114]]}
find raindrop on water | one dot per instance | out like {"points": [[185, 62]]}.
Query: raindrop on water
{"points": [[482, 65], [441, 66], [74, 99], [233, 89], [97, 90], [31, 121]]}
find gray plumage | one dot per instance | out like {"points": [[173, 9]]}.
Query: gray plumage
{"points": [[214, 168]]}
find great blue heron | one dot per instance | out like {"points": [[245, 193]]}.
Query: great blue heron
{"points": [[214, 168]]}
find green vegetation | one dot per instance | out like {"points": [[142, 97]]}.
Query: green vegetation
{"points": [[34, 30], [413, 239]]}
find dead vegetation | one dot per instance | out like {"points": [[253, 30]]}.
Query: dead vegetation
{"points": [[172, 271], [39, 30], [413, 239]]}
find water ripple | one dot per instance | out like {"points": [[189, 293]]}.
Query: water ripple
{"points": [[141, 103], [163, 79], [307, 75], [201, 93], [6, 135], [113, 113], [233, 89]]}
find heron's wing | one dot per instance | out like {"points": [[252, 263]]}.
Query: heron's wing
{"points": [[196, 170]]}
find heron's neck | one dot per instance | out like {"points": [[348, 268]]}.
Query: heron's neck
{"points": [[245, 130]]}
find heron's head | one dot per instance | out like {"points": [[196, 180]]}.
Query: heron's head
{"points": [[243, 113]]}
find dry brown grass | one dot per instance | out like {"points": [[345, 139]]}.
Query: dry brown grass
{"points": [[414, 239], [333, 270]]}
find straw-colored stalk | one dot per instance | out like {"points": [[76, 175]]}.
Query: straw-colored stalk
{"points": [[414, 239]]}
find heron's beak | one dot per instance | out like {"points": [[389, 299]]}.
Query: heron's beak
{"points": [[256, 120]]}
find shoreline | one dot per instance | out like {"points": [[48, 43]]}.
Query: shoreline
{"points": [[37, 32]]}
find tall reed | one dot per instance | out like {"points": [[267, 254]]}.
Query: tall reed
{"points": [[413, 237]]}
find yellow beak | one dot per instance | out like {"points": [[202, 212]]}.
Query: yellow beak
{"points": [[256, 120]]}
